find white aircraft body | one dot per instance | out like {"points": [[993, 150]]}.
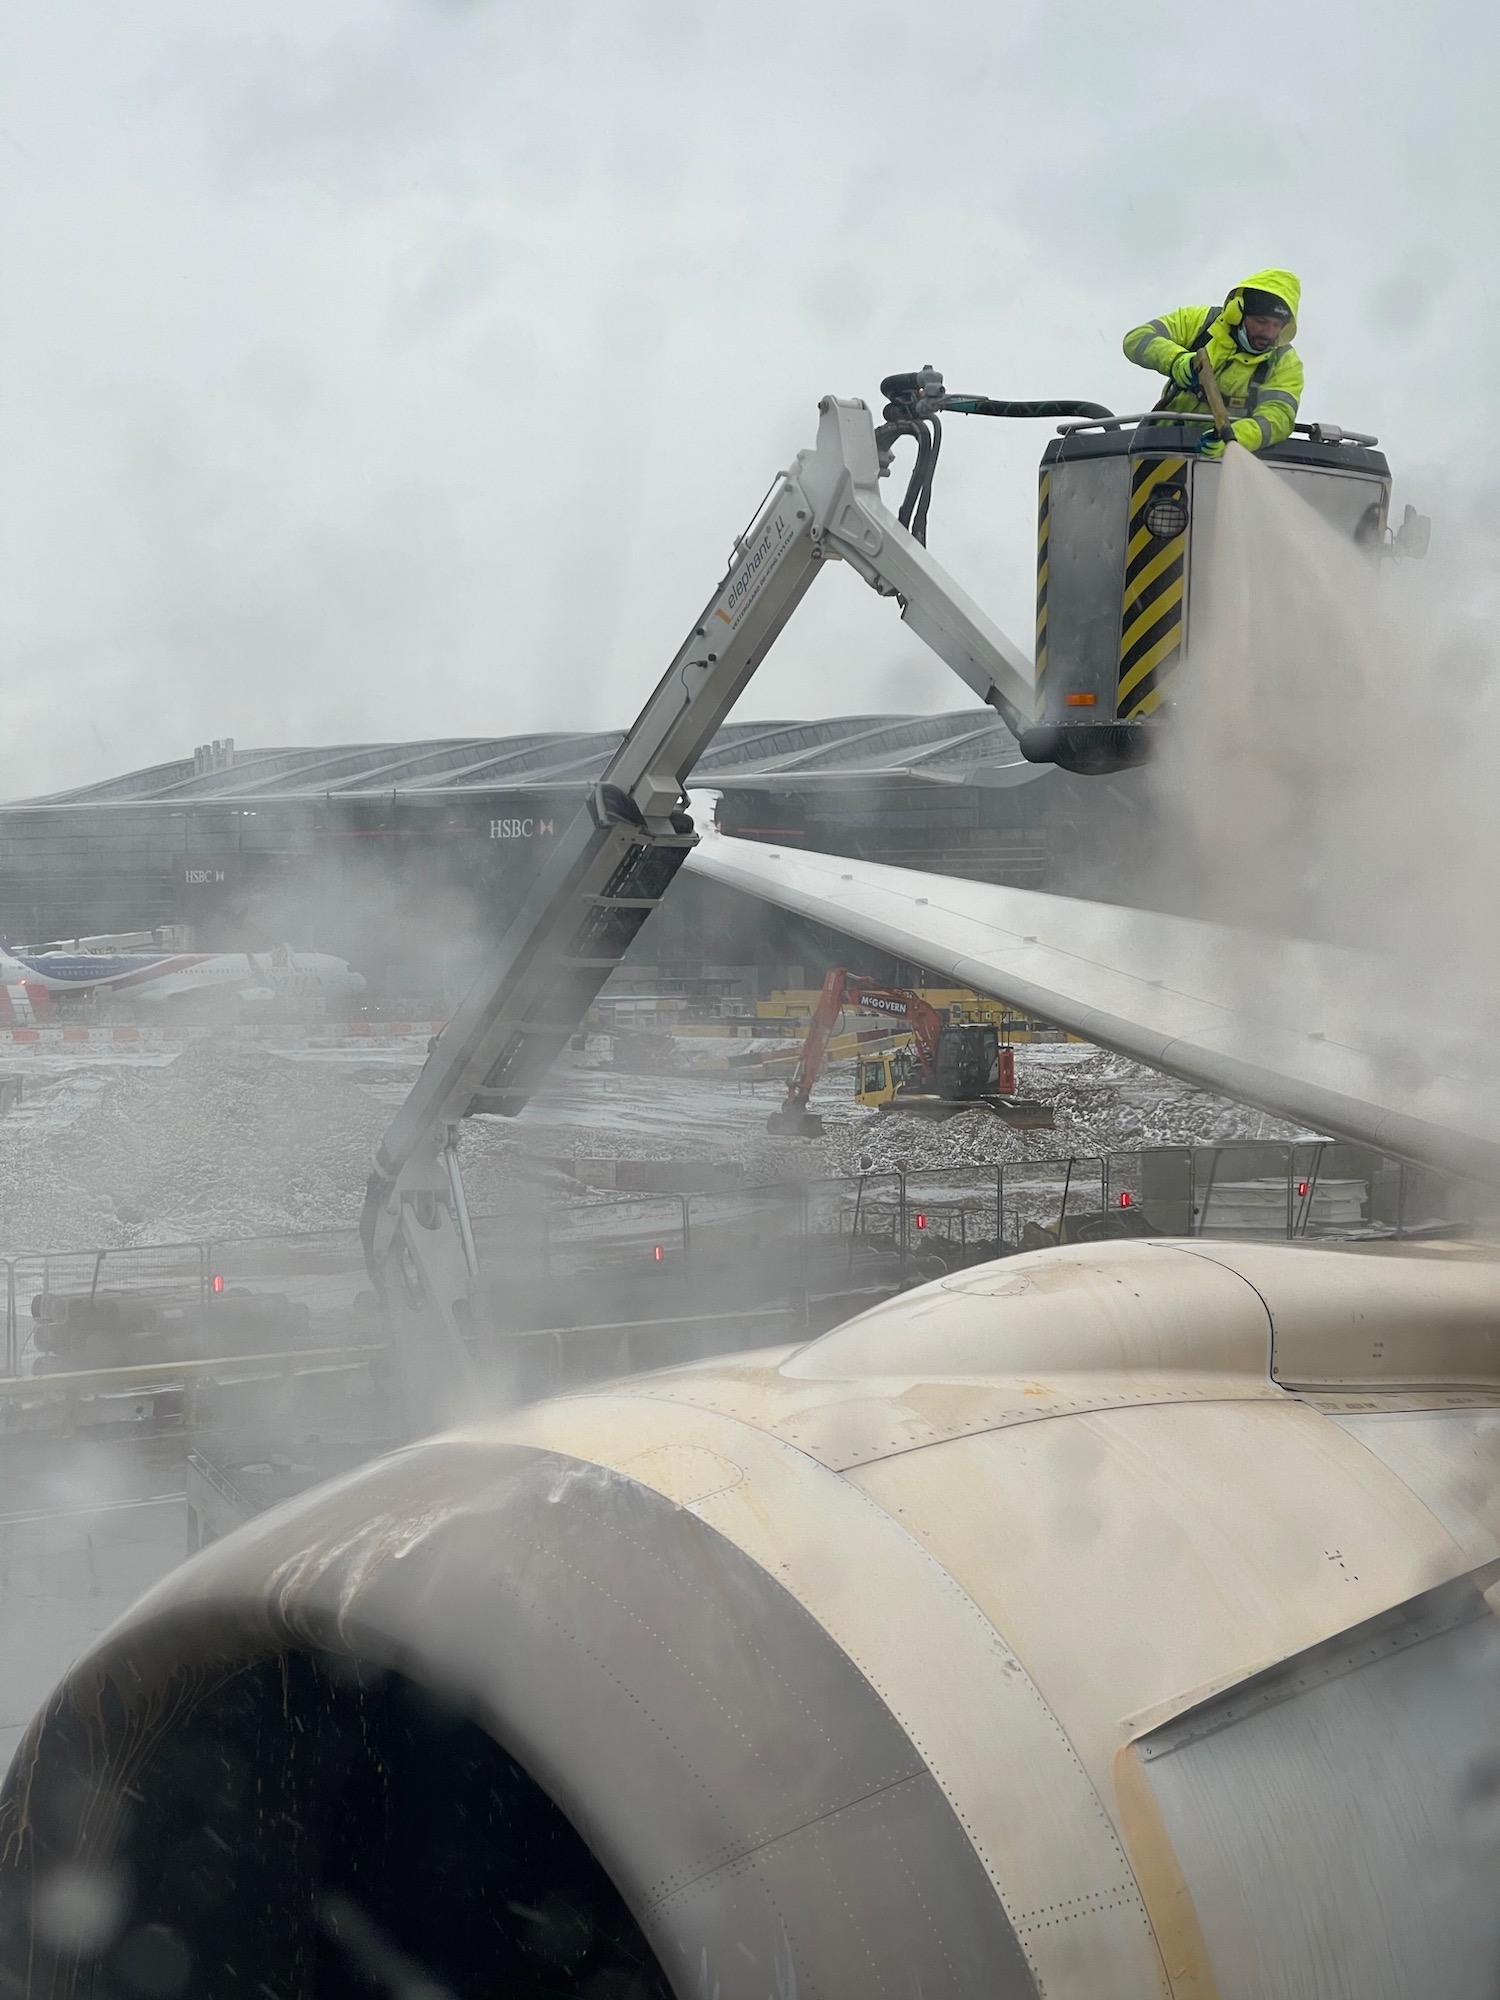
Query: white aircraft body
{"points": [[33, 982]]}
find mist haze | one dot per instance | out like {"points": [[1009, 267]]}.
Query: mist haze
{"points": [[1330, 771], [1113, 1618], [406, 370]]}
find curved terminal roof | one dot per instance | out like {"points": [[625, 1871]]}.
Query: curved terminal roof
{"points": [[941, 747]]}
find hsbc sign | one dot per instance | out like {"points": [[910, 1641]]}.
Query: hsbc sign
{"points": [[522, 829]]}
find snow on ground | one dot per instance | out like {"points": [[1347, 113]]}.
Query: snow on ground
{"points": [[1101, 1103], [222, 1136]]}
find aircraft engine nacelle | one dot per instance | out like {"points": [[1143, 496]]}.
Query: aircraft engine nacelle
{"points": [[1106, 1621]]}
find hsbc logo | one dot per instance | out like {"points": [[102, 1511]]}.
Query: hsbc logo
{"points": [[522, 829]]}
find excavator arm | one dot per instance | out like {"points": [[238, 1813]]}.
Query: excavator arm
{"points": [[823, 1021], [843, 989], [617, 859], [925, 1022]]}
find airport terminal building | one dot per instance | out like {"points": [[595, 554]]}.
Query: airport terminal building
{"points": [[406, 858]]}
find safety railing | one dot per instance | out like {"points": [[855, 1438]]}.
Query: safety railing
{"points": [[67, 1311], [176, 1385], [64, 1308]]}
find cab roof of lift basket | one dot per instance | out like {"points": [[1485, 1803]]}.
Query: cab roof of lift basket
{"points": [[1173, 440]]}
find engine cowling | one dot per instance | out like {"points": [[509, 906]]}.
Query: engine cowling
{"points": [[1045, 1630]]}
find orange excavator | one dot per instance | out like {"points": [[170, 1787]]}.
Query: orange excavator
{"points": [[951, 1066]]}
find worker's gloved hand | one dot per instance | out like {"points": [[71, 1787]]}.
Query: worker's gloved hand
{"points": [[1210, 444], [1184, 371]]}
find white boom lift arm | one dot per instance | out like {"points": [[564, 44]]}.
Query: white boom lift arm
{"points": [[616, 860]]}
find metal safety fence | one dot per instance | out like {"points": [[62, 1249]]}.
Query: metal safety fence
{"points": [[889, 1225], [67, 1308]]}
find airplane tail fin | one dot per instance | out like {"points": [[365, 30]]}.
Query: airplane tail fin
{"points": [[23, 1003]]}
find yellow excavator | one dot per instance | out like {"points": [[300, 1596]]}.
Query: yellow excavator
{"points": [[948, 1066]]}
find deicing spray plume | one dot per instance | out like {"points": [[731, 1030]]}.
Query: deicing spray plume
{"points": [[1329, 773]]}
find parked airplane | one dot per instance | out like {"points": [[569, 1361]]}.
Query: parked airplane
{"points": [[34, 981]]}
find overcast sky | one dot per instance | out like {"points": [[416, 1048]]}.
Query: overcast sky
{"points": [[404, 369]]}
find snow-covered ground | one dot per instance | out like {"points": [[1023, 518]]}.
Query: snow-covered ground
{"points": [[178, 1139]]}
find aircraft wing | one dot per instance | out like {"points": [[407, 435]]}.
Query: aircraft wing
{"points": [[1332, 1037]]}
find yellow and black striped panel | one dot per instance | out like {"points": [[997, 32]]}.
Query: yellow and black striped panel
{"points": [[1043, 514], [1151, 615]]}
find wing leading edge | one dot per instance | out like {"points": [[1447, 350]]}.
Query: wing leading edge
{"points": [[1340, 1040]]}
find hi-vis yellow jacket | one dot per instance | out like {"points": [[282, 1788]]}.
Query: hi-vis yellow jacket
{"points": [[1261, 390]]}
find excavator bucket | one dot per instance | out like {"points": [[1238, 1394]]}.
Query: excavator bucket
{"points": [[794, 1121]]}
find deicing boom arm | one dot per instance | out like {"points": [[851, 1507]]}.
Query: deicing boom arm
{"points": [[615, 861]]}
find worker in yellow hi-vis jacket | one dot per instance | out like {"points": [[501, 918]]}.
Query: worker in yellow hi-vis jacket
{"points": [[1247, 343]]}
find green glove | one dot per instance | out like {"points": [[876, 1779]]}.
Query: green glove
{"points": [[1184, 370], [1210, 444]]}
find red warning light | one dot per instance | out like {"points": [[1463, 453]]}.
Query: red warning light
{"points": [[1302, 1187], [921, 1222], [217, 1281], [1127, 1199], [658, 1253]]}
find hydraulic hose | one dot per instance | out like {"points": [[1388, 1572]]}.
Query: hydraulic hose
{"points": [[990, 406], [913, 403], [919, 513]]}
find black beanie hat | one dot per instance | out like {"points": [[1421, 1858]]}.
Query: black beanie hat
{"points": [[1267, 305]]}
